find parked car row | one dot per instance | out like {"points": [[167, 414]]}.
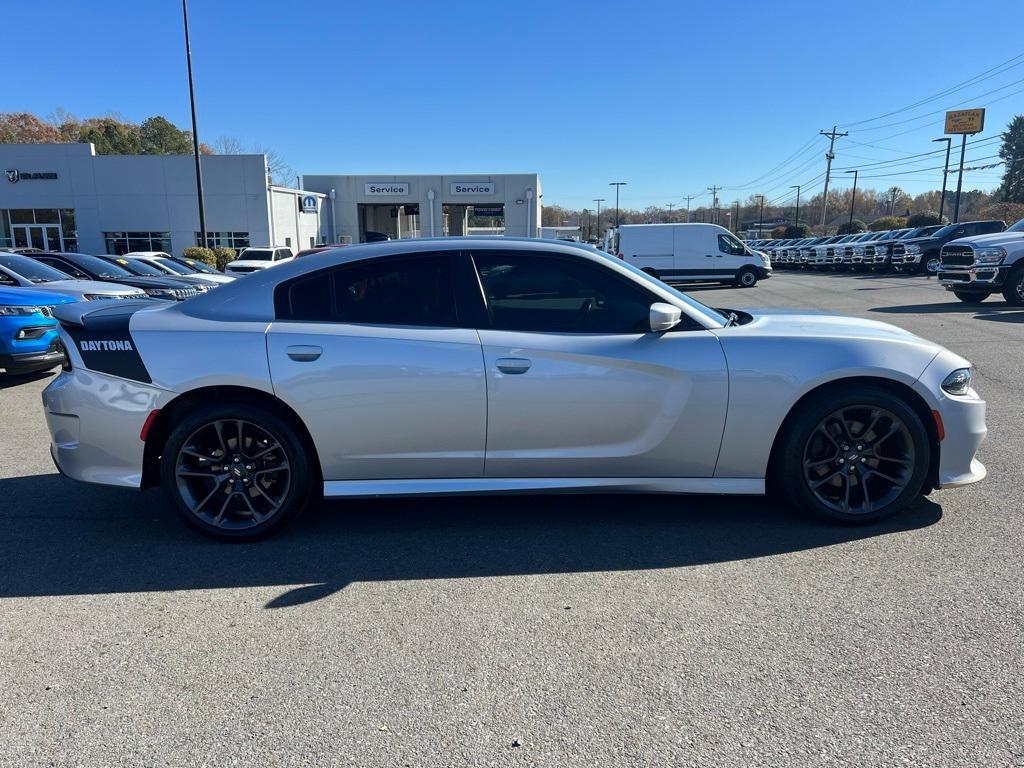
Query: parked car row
{"points": [[33, 282], [911, 249]]}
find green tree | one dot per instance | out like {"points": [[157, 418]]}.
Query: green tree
{"points": [[159, 136], [886, 223], [110, 136], [1012, 153], [926, 219], [1008, 212], [205, 255], [797, 230], [851, 227]]}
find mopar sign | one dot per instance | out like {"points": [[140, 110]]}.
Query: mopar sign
{"points": [[387, 188], [471, 188], [308, 203]]}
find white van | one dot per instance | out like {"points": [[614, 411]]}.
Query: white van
{"points": [[690, 252]]}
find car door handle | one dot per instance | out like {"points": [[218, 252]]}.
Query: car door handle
{"points": [[513, 364], [304, 353], [707, 255]]}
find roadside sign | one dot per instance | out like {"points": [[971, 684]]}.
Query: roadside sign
{"points": [[965, 121]]}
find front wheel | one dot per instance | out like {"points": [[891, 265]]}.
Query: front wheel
{"points": [[971, 297], [746, 278], [236, 472], [1013, 289], [854, 457]]}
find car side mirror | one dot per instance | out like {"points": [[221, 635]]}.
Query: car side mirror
{"points": [[664, 316]]}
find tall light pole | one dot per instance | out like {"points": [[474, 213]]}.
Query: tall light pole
{"points": [[586, 211], [796, 219], [616, 184], [760, 217], [195, 130], [736, 221], [853, 199], [713, 189], [598, 200], [945, 174]]}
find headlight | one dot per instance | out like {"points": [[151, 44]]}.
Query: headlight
{"points": [[913, 248], [764, 259], [8, 310], [989, 256], [881, 250], [160, 293], [958, 382]]}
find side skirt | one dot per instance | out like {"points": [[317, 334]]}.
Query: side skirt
{"points": [[495, 485]]}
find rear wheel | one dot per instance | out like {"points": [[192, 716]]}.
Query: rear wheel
{"points": [[854, 457], [971, 297], [1013, 289], [236, 472], [746, 278]]}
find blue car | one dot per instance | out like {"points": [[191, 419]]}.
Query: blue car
{"points": [[28, 332]]}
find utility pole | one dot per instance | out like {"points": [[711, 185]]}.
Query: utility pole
{"points": [[616, 184], [945, 174], [713, 189], [853, 198], [736, 220], [670, 207], [796, 218], [195, 131], [586, 211], [959, 181], [760, 217], [598, 200], [688, 199], [832, 136]]}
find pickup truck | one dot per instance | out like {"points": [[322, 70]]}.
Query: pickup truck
{"points": [[920, 254], [974, 268]]}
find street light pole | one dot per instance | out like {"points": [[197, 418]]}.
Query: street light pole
{"points": [[853, 198], [195, 131], [945, 174], [796, 219], [616, 184], [598, 200]]}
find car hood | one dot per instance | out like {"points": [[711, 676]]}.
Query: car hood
{"points": [[80, 287], [212, 279], [27, 297], [253, 263], [151, 282], [991, 240], [799, 323]]}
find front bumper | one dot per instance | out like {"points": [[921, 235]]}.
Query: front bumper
{"points": [[977, 278], [31, 362], [95, 421]]}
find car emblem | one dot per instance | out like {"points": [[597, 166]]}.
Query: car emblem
{"points": [[13, 175]]}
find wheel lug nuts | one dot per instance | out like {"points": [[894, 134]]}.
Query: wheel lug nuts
{"points": [[842, 461]]}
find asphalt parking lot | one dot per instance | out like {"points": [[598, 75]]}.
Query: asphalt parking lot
{"points": [[547, 631]]}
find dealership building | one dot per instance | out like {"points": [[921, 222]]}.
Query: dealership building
{"points": [[66, 197]]}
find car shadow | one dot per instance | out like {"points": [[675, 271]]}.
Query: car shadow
{"points": [[66, 538], [995, 311], [7, 380]]}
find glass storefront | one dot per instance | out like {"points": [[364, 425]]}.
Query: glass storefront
{"points": [[120, 243], [48, 229], [236, 240]]}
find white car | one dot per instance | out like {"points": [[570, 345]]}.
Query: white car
{"points": [[176, 268], [479, 365], [255, 259]]}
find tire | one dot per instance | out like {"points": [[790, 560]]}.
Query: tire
{"points": [[815, 473], [1013, 288], [272, 483], [746, 278], [970, 297], [652, 272]]}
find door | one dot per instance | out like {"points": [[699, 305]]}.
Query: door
{"points": [[374, 359], [649, 248], [730, 254], [577, 384], [45, 237]]}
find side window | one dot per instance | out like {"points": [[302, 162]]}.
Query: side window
{"points": [[542, 293], [66, 267], [729, 244], [413, 290]]}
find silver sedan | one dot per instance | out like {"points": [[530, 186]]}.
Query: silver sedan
{"points": [[498, 365]]}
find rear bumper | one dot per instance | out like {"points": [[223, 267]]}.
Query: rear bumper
{"points": [[95, 423], [29, 362]]}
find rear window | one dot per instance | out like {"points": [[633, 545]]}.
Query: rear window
{"points": [[257, 254]]}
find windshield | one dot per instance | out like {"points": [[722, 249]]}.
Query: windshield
{"points": [[256, 254], [138, 267], [31, 269], [99, 266], [1018, 227], [198, 266], [949, 229], [175, 266]]}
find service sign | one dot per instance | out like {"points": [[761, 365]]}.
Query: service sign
{"points": [[470, 188], [309, 204], [965, 121], [386, 188]]}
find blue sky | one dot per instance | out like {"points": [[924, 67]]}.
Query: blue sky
{"points": [[669, 96]]}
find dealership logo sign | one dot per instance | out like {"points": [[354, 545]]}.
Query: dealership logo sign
{"points": [[14, 175], [309, 204]]}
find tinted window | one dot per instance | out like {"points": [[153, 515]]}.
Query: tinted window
{"points": [[65, 267], [560, 295], [729, 244], [31, 269], [415, 290]]}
